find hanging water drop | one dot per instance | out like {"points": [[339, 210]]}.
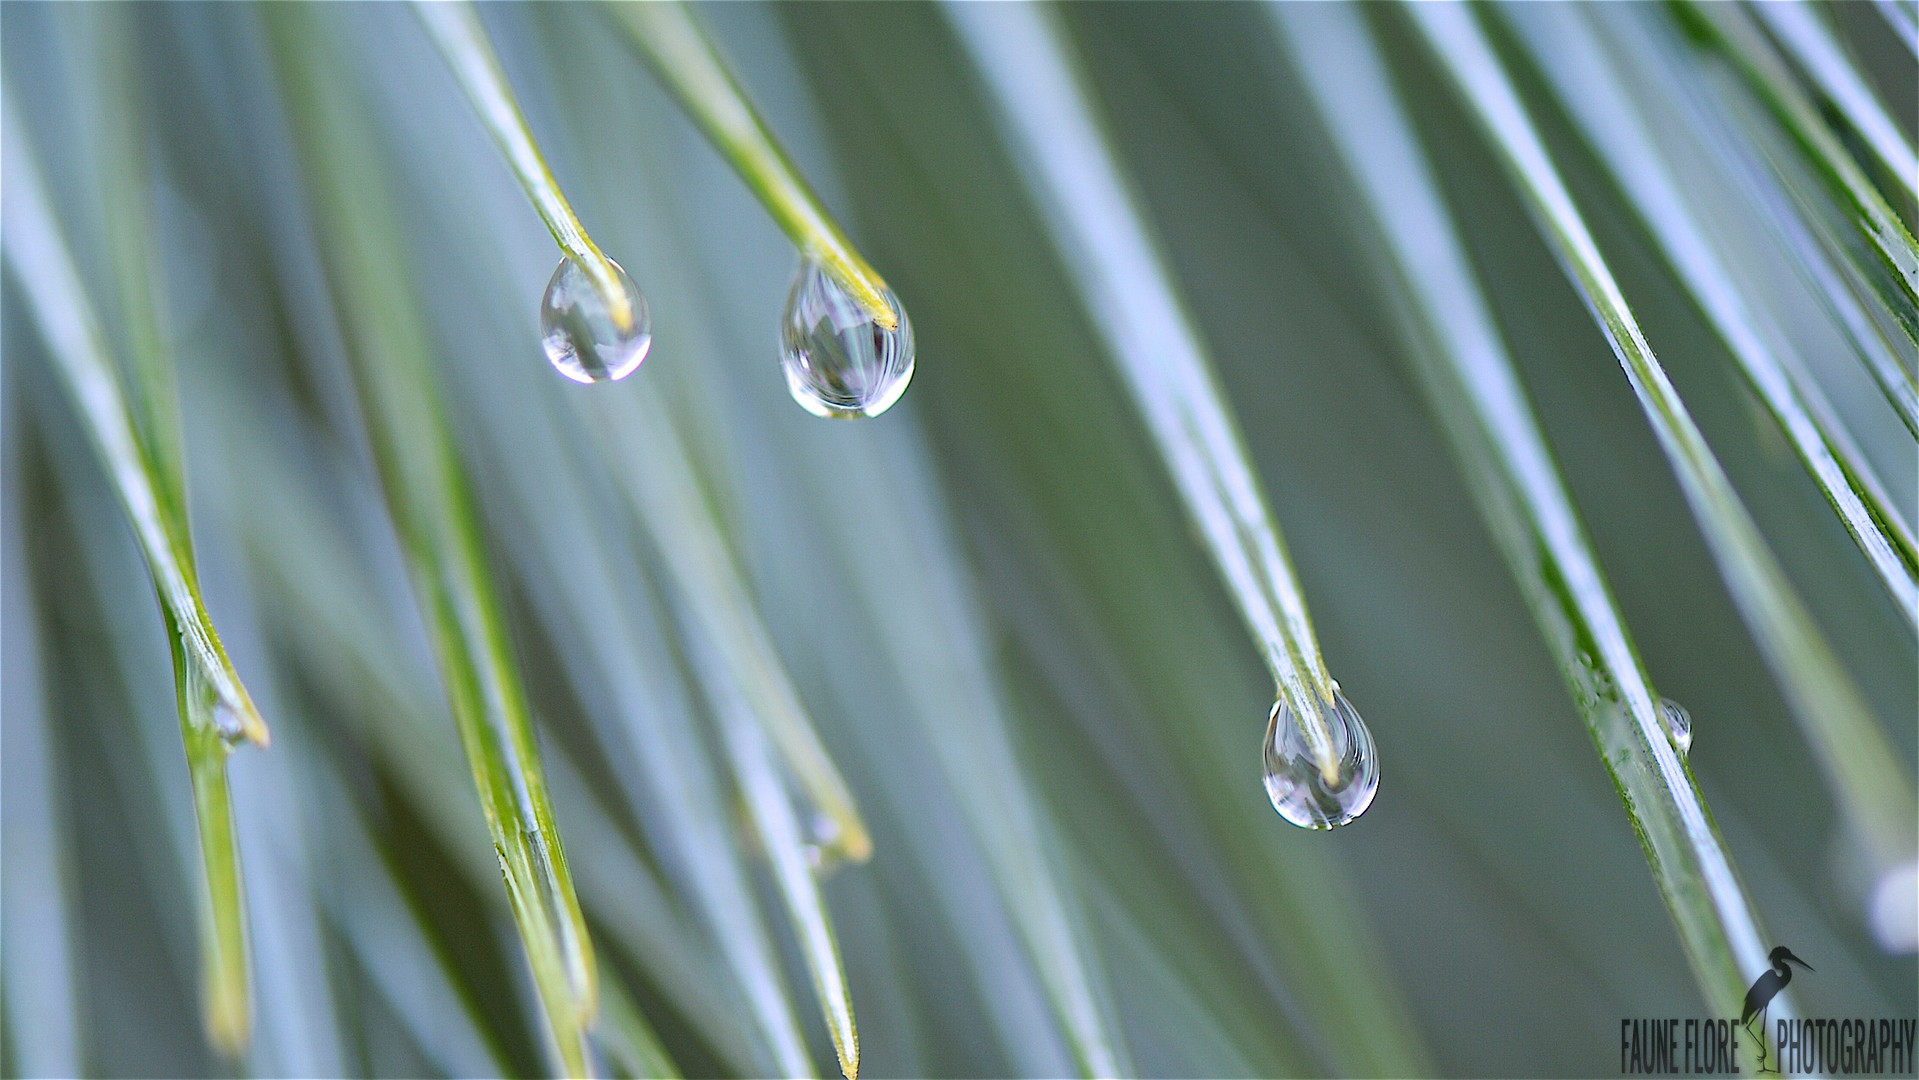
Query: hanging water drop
{"points": [[1305, 793], [839, 361], [1678, 724], [580, 332], [227, 725], [823, 841]]}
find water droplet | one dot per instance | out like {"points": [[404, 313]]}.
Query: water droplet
{"points": [[1301, 791], [579, 333], [226, 724], [839, 362], [1678, 724], [824, 843]]}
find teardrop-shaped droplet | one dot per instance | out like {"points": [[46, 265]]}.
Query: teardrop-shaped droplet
{"points": [[1300, 788], [579, 332], [839, 361], [1678, 724]]}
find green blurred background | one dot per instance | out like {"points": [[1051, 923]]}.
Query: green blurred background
{"points": [[990, 588]]}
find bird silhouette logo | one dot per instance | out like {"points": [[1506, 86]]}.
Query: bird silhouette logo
{"points": [[1763, 990]]}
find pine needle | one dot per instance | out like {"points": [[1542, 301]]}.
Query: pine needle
{"points": [[455, 27], [1476, 394], [670, 40], [430, 501], [1050, 121], [215, 709], [1852, 748]]}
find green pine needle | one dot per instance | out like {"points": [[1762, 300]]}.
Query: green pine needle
{"points": [[455, 27], [1477, 395], [215, 709], [1849, 742], [669, 39], [431, 504]]}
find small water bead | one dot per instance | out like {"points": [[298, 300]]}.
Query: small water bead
{"points": [[579, 333], [1678, 724], [226, 723], [1294, 780], [823, 842], [840, 362]]}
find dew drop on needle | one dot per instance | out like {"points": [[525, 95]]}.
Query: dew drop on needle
{"points": [[1678, 724], [1302, 791], [839, 361], [226, 724], [823, 843], [580, 333]]}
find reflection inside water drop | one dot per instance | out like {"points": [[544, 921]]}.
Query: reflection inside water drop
{"points": [[579, 332], [1299, 788], [1678, 724], [839, 362]]}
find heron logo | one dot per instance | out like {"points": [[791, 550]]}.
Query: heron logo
{"points": [[1711, 1046], [1764, 989]]}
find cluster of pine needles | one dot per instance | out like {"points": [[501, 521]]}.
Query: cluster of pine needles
{"points": [[376, 702]]}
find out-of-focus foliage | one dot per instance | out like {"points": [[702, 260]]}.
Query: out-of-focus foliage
{"points": [[986, 605]]}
